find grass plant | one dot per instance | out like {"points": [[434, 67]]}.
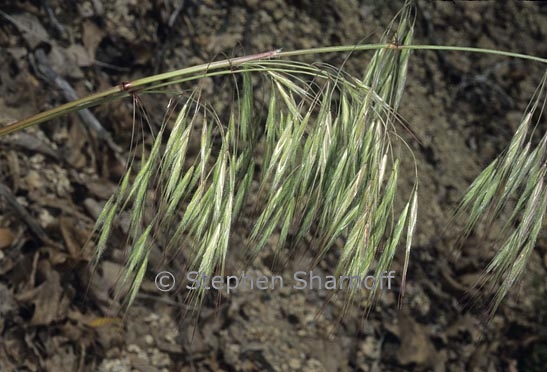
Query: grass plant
{"points": [[328, 165]]}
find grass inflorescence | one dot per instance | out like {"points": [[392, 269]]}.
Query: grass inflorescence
{"points": [[327, 166]]}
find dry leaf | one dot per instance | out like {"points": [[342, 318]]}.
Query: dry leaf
{"points": [[75, 238], [7, 302], [6, 238], [64, 63], [29, 142], [79, 55], [31, 29], [92, 36], [77, 139], [50, 304], [102, 189]]}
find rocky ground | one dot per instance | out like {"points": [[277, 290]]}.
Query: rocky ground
{"points": [[54, 178]]}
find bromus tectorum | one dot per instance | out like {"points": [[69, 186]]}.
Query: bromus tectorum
{"points": [[327, 166]]}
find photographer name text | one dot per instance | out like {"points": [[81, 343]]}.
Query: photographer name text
{"points": [[301, 281]]}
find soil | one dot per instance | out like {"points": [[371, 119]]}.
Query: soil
{"points": [[464, 108]]}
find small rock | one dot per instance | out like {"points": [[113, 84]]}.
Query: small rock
{"points": [[370, 349], [159, 359], [132, 348], [295, 364]]}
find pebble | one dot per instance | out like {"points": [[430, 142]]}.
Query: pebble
{"points": [[132, 348], [369, 348], [295, 364], [159, 359]]}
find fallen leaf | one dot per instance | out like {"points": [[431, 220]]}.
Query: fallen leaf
{"points": [[92, 36], [7, 303], [20, 350], [6, 238], [103, 189], [79, 55], [63, 63], [31, 29], [74, 237], [50, 304], [64, 359], [29, 142], [76, 142]]}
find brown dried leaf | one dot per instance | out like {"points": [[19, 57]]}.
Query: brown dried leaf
{"points": [[31, 29], [55, 256], [64, 359], [101, 284], [7, 303], [77, 138], [102, 189], [17, 52], [29, 142], [50, 304], [6, 238], [92, 36], [64, 63], [6, 265], [79, 55], [75, 238], [18, 350]]}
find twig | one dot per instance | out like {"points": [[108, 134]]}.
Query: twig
{"points": [[69, 93], [34, 227], [53, 19], [175, 13]]}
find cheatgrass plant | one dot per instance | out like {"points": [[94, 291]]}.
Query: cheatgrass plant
{"points": [[515, 180], [327, 166]]}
